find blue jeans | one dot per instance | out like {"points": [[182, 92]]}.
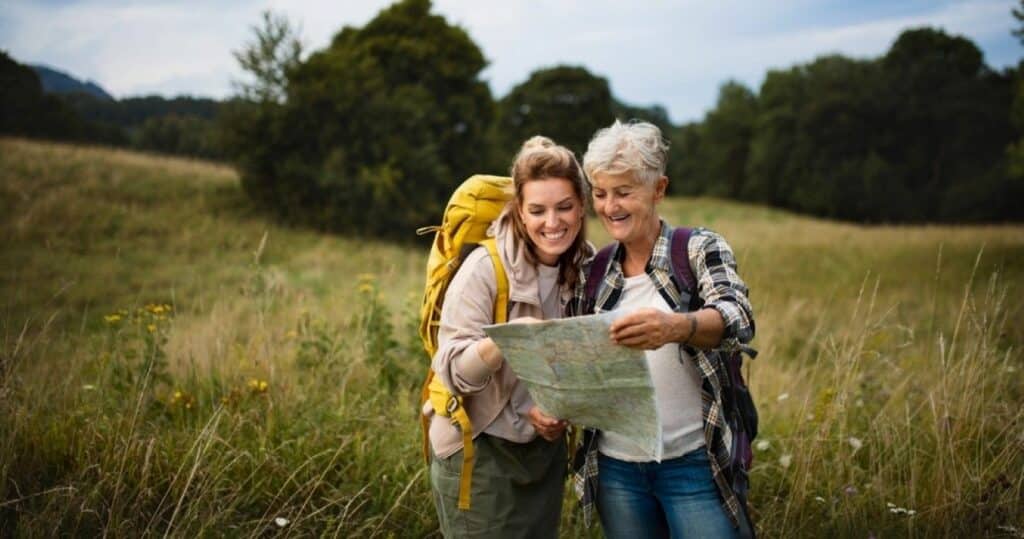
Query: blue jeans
{"points": [[673, 498]]}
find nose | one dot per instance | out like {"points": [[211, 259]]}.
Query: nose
{"points": [[612, 203], [551, 219]]}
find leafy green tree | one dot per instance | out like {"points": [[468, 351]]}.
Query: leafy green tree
{"points": [[947, 121], [685, 170], [1015, 152], [374, 131], [179, 134], [916, 135], [25, 110], [655, 114], [725, 135], [269, 59], [565, 103]]}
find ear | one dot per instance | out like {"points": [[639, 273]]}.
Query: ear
{"points": [[660, 188]]}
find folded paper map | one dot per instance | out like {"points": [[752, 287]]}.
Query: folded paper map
{"points": [[573, 371]]}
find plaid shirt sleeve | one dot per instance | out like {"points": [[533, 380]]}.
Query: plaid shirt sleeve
{"points": [[719, 284]]}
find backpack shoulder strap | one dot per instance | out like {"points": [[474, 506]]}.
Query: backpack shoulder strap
{"points": [[501, 300], [598, 269], [681, 269]]}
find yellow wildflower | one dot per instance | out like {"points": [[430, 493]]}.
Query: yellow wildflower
{"points": [[291, 334], [258, 386], [112, 318], [366, 288], [366, 276], [151, 327]]}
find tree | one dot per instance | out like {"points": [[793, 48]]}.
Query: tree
{"points": [[1015, 151], [725, 135], [685, 166], [565, 103], [374, 131], [25, 110], [269, 58], [947, 120]]}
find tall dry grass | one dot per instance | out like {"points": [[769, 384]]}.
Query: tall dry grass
{"points": [[171, 363]]}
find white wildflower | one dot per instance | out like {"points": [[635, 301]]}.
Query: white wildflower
{"points": [[855, 443], [783, 397], [819, 499], [281, 522], [785, 460], [763, 445]]}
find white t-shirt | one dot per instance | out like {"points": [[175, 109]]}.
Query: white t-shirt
{"points": [[676, 387]]}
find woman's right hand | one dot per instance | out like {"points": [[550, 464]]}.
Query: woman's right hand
{"points": [[549, 428]]}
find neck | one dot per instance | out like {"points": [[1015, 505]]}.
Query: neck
{"points": [[639, 251]]}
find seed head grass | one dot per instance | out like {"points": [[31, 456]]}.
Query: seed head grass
{"points": [[174, 362]]}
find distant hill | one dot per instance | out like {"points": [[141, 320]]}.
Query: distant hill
{"points": [[58, 82]]}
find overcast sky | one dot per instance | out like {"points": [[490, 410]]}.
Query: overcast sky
{"points": [[670, 52]]}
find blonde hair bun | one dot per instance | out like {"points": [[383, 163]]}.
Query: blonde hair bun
{"points": [[537, 142]]}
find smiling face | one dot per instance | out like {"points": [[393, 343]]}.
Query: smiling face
{"points": [[627, 208], [552, 215]]}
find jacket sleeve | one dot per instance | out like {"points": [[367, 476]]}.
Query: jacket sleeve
{"points": [[721, 288], [468, 306]]}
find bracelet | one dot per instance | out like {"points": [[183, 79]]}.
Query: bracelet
{"points": [[693, 327]]}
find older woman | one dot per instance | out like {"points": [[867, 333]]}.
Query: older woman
{"points": [[686, 494], [520, 451]]}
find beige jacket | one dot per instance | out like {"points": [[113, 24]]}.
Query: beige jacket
{"points": [[496, 401]]}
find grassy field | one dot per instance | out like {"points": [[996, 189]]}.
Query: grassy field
{"points": [[173, 363]]}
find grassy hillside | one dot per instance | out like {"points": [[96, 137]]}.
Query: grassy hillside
{"points": [[170, 361]]}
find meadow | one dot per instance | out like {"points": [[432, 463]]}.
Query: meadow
{"points": [[174, 363]]}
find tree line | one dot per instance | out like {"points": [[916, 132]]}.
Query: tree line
{"points": [[921, 134], [180, 125], [370, 134]]}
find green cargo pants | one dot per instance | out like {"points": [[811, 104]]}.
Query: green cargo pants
{"points": [[516, 489]]}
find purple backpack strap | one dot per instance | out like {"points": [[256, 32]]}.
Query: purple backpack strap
{"points": [[680, 257], [598, 268]]}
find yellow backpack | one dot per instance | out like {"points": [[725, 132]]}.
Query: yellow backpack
{"points": [[470, 211]]}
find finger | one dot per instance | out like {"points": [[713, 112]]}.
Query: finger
{"points": [[631, 332], [626, 321], [540, 417], [546, 423]]}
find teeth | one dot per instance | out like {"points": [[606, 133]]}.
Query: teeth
{"points": [[617, 218], [554, 236]]}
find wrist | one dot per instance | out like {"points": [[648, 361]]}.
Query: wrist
{"points": [[689, 327]]}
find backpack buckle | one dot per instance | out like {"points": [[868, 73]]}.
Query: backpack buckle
{"points": [[451, 405]]}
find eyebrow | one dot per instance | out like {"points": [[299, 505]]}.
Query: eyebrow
{"points": [[559, 203]]}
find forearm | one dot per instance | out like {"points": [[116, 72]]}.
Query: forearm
{"points": [[471, 370], [701, 329]]}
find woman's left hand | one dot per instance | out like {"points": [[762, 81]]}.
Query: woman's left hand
{"points": [[549, 428], [647, 328]]}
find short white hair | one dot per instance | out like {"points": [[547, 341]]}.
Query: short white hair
{"points": [[620, 148]]}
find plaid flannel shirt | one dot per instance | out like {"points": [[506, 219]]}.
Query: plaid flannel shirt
{"points": [[718, 284]]}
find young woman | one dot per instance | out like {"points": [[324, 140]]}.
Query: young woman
{"points": [[520, 452]]}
